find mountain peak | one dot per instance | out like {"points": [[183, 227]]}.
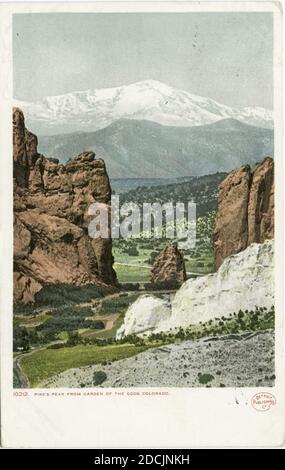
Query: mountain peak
{"points": [[151, 83], [149, 100]]}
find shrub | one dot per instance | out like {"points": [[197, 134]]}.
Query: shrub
{"points": [[113, 305], [200, 264], [97, 325], [68, 319], [129, 286], [55, 295], [131, 251], [205, 378], [23, 309], [165, 285], [99, 377], [153, 255], [21, 338], [48, 335], [73, 338]]}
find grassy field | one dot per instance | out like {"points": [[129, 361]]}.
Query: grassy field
{"points": [[132, 273], [141, 274], [30, 321], [41, 365], [203, 265]]}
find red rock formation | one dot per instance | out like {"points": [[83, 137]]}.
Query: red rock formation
{"points": [[245, 211], [261, 203], [51, 241], [169, 266]]}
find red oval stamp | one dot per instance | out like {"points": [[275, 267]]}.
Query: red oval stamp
{"points": [[263, 401]]}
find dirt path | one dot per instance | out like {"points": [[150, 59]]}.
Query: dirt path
{"points": [[134, 265], [21, 378], [110, 323], [97, 300], [17, 369], [91, 303]]}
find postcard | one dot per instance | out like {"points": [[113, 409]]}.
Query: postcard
{"points": [[142, 224]]}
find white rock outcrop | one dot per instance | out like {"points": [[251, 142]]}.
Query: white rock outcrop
{"points": [[243, 281], [144, 315]]}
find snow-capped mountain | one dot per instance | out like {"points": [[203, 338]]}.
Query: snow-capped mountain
{"points": [[146, 100]]}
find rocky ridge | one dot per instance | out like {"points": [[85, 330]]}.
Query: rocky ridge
{"points": [[51, 242]]}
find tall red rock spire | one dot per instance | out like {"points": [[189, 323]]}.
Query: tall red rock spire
{"points": [[245, 211]]}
